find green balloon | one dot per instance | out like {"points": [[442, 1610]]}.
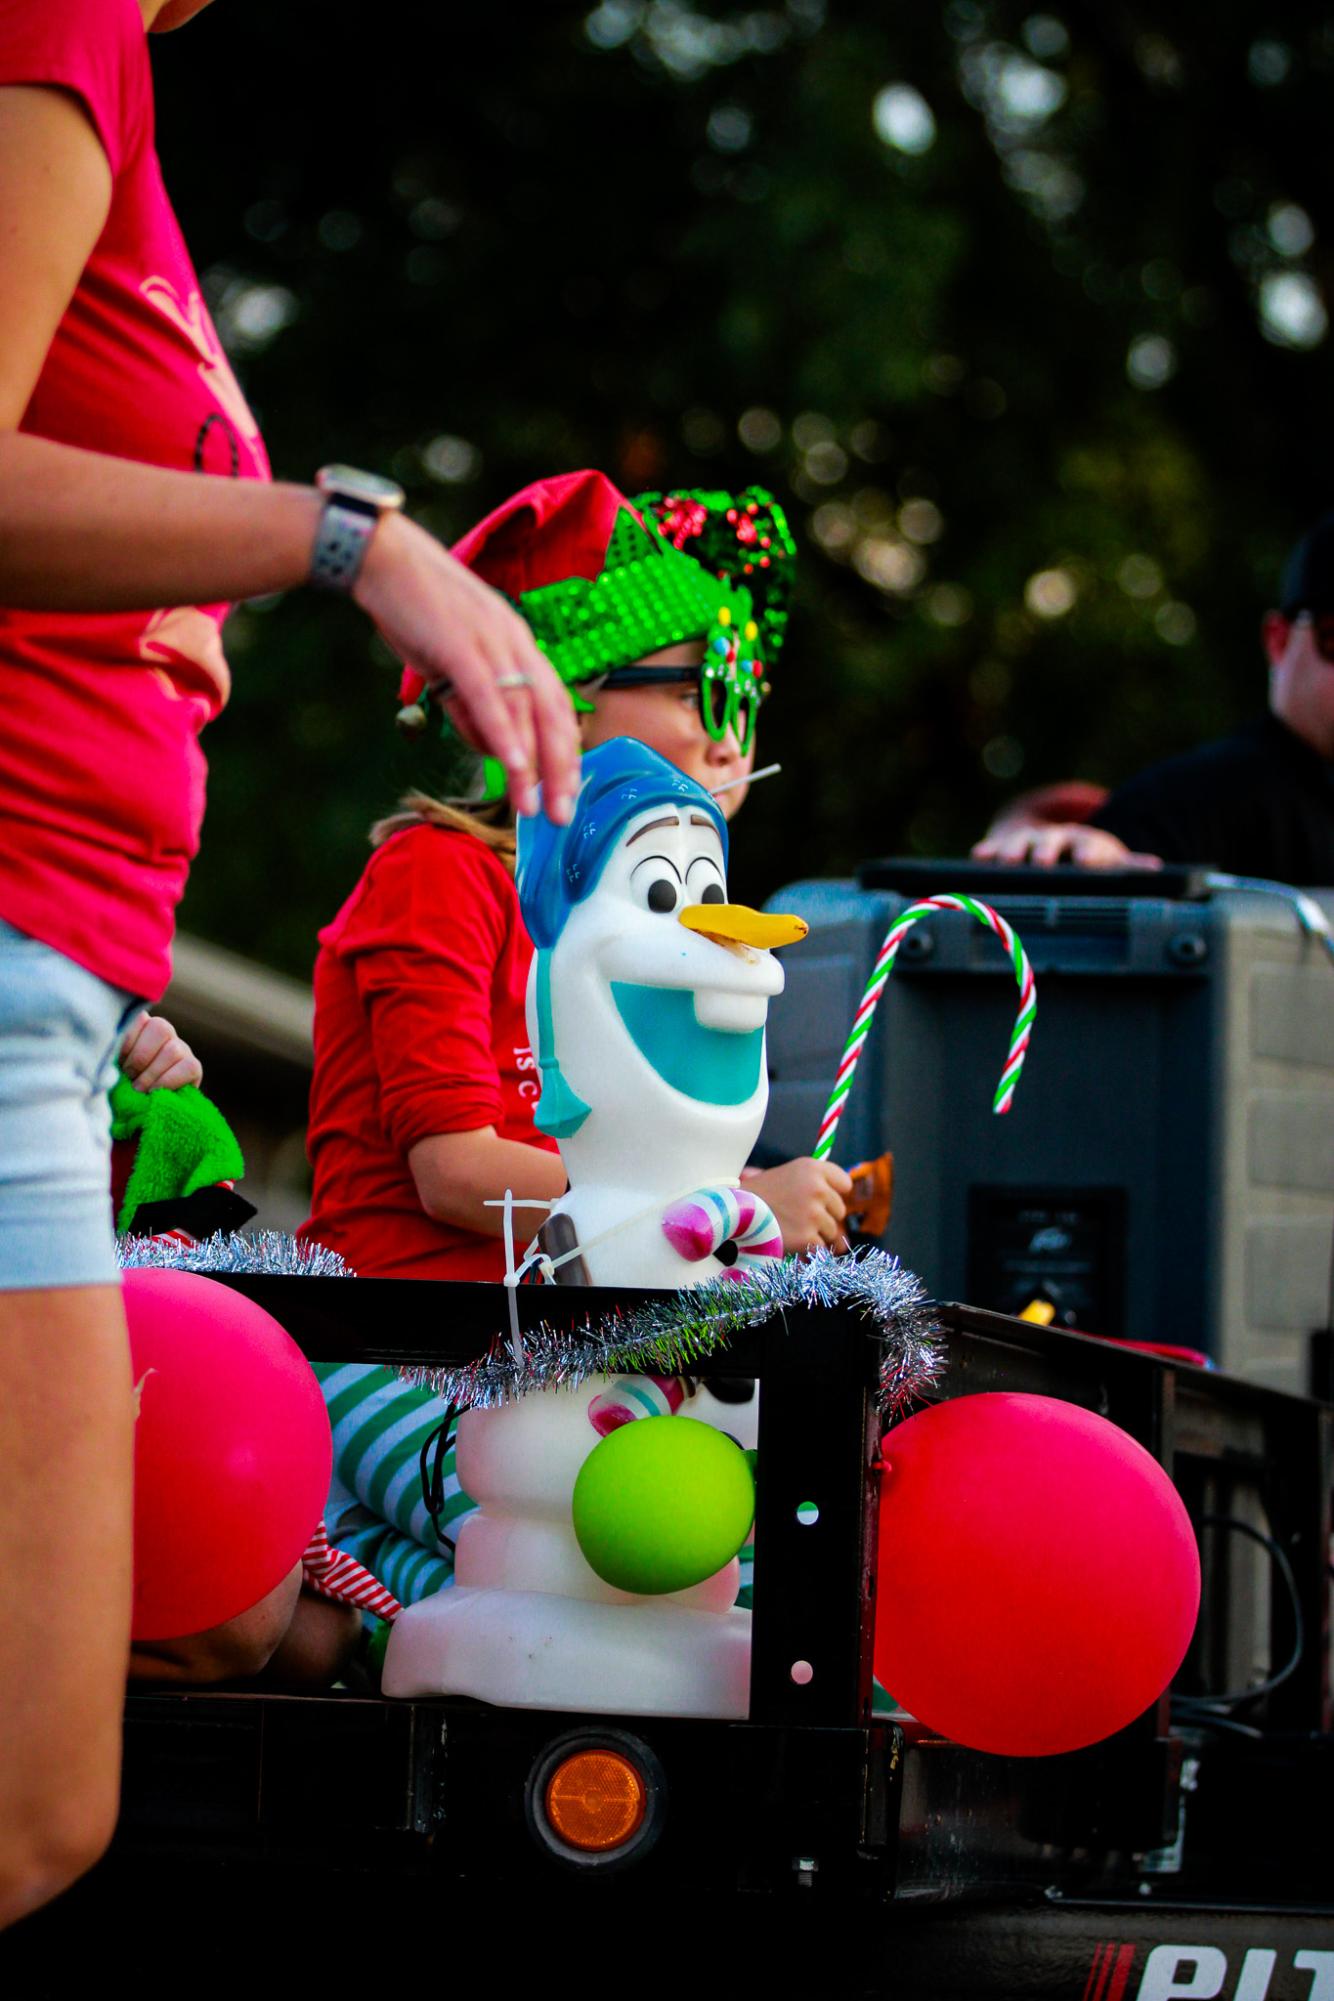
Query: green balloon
{"points": [[662, 1503]]}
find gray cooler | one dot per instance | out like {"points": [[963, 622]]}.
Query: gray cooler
{"points": [[1167, 1170]]}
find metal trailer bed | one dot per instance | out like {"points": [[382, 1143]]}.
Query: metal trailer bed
{"points": [[812, 1848]]}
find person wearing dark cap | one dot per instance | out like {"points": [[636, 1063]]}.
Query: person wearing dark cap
{"points": [[1259, 802]]}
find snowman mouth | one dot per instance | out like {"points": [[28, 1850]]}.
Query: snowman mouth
{"points": [[714, 1064], [732, 945]]}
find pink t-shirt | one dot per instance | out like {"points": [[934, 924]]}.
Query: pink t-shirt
{"points": [[101, 773]]}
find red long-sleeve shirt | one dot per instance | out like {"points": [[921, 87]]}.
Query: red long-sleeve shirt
{"points": [[419, 1029]]}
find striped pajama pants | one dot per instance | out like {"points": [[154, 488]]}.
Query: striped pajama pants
{"points": [[377, 1511]]}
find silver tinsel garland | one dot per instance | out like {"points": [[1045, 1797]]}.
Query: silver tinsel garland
{"points": [[270, 1251], [675, 1332], [671, 1335]]}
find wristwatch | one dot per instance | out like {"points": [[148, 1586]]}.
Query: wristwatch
{"points": [[353, 504]]}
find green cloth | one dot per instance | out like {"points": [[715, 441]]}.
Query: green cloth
{"points": [[184, 1143]]}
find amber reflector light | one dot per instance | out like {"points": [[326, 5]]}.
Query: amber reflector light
{"points": [[596, 1800]]}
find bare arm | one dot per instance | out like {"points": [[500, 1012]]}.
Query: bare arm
{"points": [[457, 1173], [83, 532], [67, 1444]]}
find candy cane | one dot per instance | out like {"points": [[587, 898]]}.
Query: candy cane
{"points": [[875, 986], [630, 1397], [699, 1226]]}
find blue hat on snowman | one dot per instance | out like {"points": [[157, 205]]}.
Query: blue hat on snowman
{"points": [[559, 867]]}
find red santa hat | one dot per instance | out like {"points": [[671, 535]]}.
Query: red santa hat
{"points": [[596, 581]]}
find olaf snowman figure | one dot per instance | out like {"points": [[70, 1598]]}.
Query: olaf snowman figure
{"points": [[647, 1004]]}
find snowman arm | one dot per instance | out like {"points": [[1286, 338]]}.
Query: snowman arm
{"points": [[712, 1219]]}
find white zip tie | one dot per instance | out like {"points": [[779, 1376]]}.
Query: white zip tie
{"points": [[511, 1279], [509, 1202], [636, 1217]]}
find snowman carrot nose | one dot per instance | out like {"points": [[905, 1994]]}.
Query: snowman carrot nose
{"points": [[742, 925]]}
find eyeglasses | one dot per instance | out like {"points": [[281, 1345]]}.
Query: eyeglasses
{"points": [[730, 690], [1320, 625]]}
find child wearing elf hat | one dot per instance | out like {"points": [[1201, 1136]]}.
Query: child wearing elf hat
{"points": [[424, 1086], [664, 620]]}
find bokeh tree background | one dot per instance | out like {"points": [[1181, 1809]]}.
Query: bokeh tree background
{"points": [[1021, 313]]}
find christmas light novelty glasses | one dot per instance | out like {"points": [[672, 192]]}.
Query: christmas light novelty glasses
{"points": [[731, 680]]}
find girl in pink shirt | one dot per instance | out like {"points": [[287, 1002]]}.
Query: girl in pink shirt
{"points": [[135, 505]]}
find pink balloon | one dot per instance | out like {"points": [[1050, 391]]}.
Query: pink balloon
{"points": [[1038, 1574], [232, 1452]]}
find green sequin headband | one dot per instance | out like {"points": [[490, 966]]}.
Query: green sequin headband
{"points": [[647, 596]]}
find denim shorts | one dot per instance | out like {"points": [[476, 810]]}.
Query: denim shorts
{"points": [[60, 1031]]}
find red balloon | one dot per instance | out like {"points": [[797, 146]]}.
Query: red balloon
{"points": [[232, 1452], [1038, 1574]]}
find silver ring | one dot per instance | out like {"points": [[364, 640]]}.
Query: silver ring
{"points": [[513, 681]]}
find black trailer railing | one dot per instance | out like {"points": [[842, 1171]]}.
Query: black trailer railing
{"points": [[812, 1810], [1227, 1444]]}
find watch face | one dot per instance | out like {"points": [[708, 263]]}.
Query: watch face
{"points": [[353, 484]]}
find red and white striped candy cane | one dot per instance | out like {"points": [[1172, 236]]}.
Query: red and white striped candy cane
{"points": [[875, 986], [630, 1397], [711, 1219]]}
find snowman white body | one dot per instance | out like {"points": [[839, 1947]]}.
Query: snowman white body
{"points": [[632, 993], [528, 1624]]}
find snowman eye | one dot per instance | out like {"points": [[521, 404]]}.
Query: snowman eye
{"points": [[657, 885], [662, 894], [704, 882]]}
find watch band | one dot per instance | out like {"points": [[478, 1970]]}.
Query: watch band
{"points": [[341, 542], [353, 503]]}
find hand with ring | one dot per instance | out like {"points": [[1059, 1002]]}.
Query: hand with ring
{"points": [[478, 657]]}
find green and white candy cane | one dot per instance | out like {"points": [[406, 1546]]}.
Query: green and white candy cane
{"points": [[875, 986]]}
